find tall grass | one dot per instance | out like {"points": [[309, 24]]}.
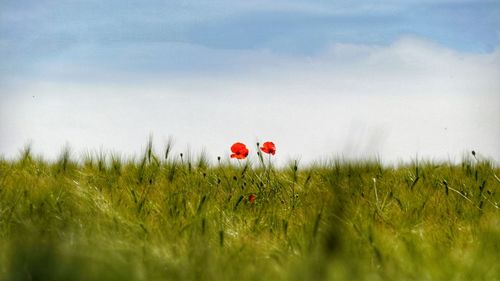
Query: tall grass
{"points": [[167, 217]]}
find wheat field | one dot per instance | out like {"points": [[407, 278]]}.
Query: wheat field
{"points": [[161, 216]]}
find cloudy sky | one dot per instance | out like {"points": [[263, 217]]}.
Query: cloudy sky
{"points": [[322, 79]]}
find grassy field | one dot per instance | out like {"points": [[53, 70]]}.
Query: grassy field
{"points": [[163, 217]]}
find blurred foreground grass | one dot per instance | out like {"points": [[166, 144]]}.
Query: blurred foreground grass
{"points": [[106, 218]]}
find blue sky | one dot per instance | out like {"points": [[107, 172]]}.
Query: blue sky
{"points": [[147, 36], [302, 59]]}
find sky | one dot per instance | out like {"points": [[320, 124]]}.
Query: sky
{"points": [[395, 80]]}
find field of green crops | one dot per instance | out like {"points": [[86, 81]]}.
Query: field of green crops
{"points": [[163, 217]]}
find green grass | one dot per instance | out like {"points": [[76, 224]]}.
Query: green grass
{"points": [[108, 218]]}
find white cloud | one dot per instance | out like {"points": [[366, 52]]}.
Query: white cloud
{"points": [[412, 97]]}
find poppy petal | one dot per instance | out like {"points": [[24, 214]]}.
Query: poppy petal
{"points": [[269, 148], [237, 147], [239, 150]]}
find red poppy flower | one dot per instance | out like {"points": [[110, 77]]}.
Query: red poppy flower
{"points": [[251, 198], [268, 147], [239, 150]]}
